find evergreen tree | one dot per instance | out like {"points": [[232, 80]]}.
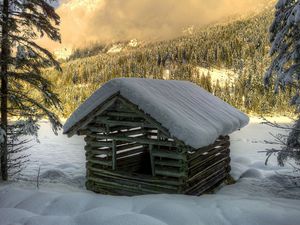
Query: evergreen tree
{"points": [[285, 45], [285, 50], [25, 94]]}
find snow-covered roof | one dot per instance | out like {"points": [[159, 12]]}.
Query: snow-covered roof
{"points": [[187, 111]]}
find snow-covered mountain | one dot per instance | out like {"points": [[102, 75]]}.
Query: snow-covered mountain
{"points": [[90, 21], [89, 5]]}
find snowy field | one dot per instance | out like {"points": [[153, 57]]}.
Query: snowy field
{"points": [[261, 196]]}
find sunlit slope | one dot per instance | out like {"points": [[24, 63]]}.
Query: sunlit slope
{"points": [[240, 47]]}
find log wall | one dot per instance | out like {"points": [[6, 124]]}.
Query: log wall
{"points": [[208, 166], [128, 154]]}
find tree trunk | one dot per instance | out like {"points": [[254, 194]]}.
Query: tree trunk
{"points": [[5, 53]]}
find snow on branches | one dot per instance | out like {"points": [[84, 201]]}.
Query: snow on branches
{"points": [[285, 47]]}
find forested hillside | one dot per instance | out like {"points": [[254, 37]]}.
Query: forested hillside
{"points": [[241, 46]]}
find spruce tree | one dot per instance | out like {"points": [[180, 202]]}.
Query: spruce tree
{"points": [[285, 65], [26, 96]]}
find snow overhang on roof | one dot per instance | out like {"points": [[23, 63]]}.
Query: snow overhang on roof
{"points": [[190, 113]]}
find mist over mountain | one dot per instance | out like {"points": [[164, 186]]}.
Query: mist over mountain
{"points": [[87, 21]]}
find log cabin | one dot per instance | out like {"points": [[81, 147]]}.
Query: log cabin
{"points": [[147, 136]]}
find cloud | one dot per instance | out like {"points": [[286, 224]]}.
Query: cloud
{"points": [[85, 21]]}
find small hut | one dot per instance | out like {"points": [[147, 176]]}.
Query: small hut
{"points": [[146, 136]]}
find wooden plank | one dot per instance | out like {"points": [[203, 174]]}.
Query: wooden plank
{"points": [[208, 162], [132, 132], [170, 155], [137, 186], [129, 181], [130, 167], [107, 152], [135, 139], [134, 176], [114, 185], [201, 160], [90, 148], [172, 163], [221, 167], [152, 160], [127, 146], [118, 128], [168, 173], [207, 184], [111, 122], [98, 143], [100, 162], [222, 162], [214, 151], [114, 157], [124, 114], [137, 158], [130, 152]]}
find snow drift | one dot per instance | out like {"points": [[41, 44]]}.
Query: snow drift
{"points": [[53, 208]]}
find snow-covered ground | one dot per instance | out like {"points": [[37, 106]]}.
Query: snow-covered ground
{"points": [[60, 159], [260, 196]]}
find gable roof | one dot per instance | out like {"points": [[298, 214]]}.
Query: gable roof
{"points": [[187, 111]]}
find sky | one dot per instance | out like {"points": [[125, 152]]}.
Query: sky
{"points": [[87, 21]]}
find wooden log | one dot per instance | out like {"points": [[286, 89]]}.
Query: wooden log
{"points": [[98, 129], [114, 155], [116, 186], [171, 163], [133, 176], [202, 175], [152, 160], [208, 163], [126, 146], [99, 143], [115, 191], [89, 148], [200, 161], [135, 139], [219, 142], [111, 122], [209, 166], [222, 163], [137, 158], [102, 163], [208, 154], [167, 172], [203, 181], [118, 128], [132, 132], [131, 167], [130, 152], [207, 184], [130, 182], [170, 155], [124, 114], [107, 152], [135, 186]]}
